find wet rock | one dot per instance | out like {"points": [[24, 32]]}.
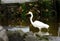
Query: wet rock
{"points": [[31, 38], [30, 33], [54, 38], [15, 37], [3, 34], [1, 39], [21, 33], [59, 31]]}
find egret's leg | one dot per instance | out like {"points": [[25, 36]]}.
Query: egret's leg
{"points": [[40, 29], [40, 32]]}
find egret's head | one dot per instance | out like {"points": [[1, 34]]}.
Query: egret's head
{"points": [[29, 12]]}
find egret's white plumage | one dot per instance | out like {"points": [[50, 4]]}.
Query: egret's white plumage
{"points": [[37, 23]]}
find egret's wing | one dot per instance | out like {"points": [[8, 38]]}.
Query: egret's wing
{"points": [[38, 23]]}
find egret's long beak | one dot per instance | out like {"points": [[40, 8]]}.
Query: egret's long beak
{"points": [[26, 14]]}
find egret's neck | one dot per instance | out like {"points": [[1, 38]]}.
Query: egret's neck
{"points": [[31, 18]]}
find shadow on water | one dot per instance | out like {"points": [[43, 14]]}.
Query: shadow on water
{"points": [[52, 30]]}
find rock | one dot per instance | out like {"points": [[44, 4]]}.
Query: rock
{"points": [[30, 33], [59, 31], [31, 38], [3, 34], [1, 39], [52, 38], [15, 37], [21, 33]]}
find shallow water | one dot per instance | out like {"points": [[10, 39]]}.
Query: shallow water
{"points": [[27, 29], [24, 29]]}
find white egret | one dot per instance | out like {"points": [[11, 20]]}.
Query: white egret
{"points": [[37, 23]]}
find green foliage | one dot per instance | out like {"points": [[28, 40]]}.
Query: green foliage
{"points": [[24, 11], [44, 6]]}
